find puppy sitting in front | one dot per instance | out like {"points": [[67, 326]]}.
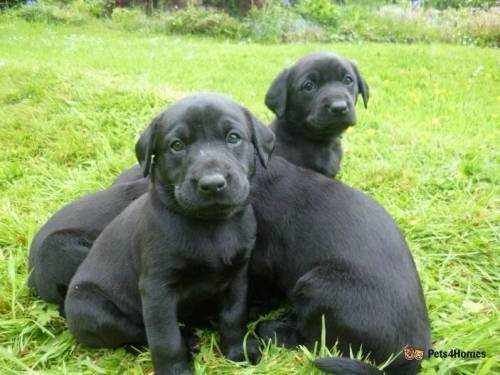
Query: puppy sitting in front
{"points": [[314, 102], [187, 241]]}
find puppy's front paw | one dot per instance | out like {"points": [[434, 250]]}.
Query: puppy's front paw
{"points": [[192, 341], [253, 351], [177, 369], [236, 353], [283, 332]]}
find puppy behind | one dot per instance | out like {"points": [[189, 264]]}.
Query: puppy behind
{"points": [[314, 102], [65, 240], [337, 256], [184, 243]]}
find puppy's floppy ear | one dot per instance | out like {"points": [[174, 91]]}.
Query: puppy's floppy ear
{"points": [[277, 94], [144, 148], [263, 138], [363, 88]]}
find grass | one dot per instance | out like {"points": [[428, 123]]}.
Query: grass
{"points": [[73, 100]]}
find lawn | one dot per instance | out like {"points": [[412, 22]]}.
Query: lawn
{"points": [[73, 100]]}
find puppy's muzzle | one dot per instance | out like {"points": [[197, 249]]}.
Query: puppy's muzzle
{"points": [[216, 181], [338, 107], [212, 184]]}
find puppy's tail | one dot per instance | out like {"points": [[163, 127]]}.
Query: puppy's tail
{"points": [[346, 366]]}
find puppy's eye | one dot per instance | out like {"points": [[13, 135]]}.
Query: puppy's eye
{"points": [[308, 86], [347, 80], [233, 138], [177, 146]]}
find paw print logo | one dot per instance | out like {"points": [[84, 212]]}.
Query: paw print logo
{"points": [[413, 353]]}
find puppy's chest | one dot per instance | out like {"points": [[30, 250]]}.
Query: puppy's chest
{"points": [[205, 275], [202, 258]]}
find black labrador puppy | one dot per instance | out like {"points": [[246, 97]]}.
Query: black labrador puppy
{"points": [[333, 251], [64, 241], [185, 242], [314, 102]]}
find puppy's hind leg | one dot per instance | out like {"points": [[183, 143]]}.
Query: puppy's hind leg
{"points": [[94, 320], [56, 262], [359, 314]]}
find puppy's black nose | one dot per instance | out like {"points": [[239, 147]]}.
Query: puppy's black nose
{"points": [[212, 183], [338, 107]]}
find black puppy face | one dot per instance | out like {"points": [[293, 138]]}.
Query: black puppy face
{"points": [[204, 149], [317, 96]]}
